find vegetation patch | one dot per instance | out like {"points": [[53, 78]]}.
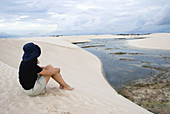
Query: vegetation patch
{"points": [[108, 49], [140, 38], [79, 42], [127, 59], [136, 53], [119, 53], [166, 57], [121, 38], [152, 93], [93, 46], [153, 67], [124, 53], [147, 62]]}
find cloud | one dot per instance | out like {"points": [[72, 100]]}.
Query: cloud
{"points": [[24, 27], [159, 21], [165, 16], [84, 17], [86, 7]]}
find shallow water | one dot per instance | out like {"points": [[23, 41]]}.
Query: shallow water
{"points": [[123, 64]]}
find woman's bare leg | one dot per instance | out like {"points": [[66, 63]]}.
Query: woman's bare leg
{"points": [[47, 78], [58, 78], [63, 85]]}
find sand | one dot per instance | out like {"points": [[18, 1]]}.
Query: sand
{"points": [[81, 69], [154, 41]]}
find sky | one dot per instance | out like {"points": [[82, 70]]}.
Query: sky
{"points": [[81, 17]]}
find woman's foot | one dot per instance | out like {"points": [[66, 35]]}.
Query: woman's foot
{"points": [[61, 87], [66, 87]]}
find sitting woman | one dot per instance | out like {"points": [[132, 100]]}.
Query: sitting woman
{"points": [[34, 78]]}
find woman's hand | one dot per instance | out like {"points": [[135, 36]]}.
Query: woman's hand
{"points": [[58, 70], [42, 67]]}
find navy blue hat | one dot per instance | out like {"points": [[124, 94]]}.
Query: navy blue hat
{"points": [[31, 52]]}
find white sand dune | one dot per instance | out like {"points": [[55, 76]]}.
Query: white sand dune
{"points": [[81, 69], [154, 41], [85, 38]]}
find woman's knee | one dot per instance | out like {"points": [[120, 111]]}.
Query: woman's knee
{"points": [[49, 67]]}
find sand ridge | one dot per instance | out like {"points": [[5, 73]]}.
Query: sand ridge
{"points": [[154, 41]]}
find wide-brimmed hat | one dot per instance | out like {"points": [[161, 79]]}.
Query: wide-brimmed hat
{"points": [[31, 52]]}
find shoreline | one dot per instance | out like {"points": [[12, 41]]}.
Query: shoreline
{"points": [[115, 51], [150, 102], [88, 95]]}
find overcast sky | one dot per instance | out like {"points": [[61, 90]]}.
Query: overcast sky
{"points": [[68, 17]]}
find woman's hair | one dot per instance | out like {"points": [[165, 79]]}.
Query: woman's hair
{"points": [[34, 61]]}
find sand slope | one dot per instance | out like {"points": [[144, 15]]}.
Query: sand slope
{"points": [[154, 41], [81, 69]]}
